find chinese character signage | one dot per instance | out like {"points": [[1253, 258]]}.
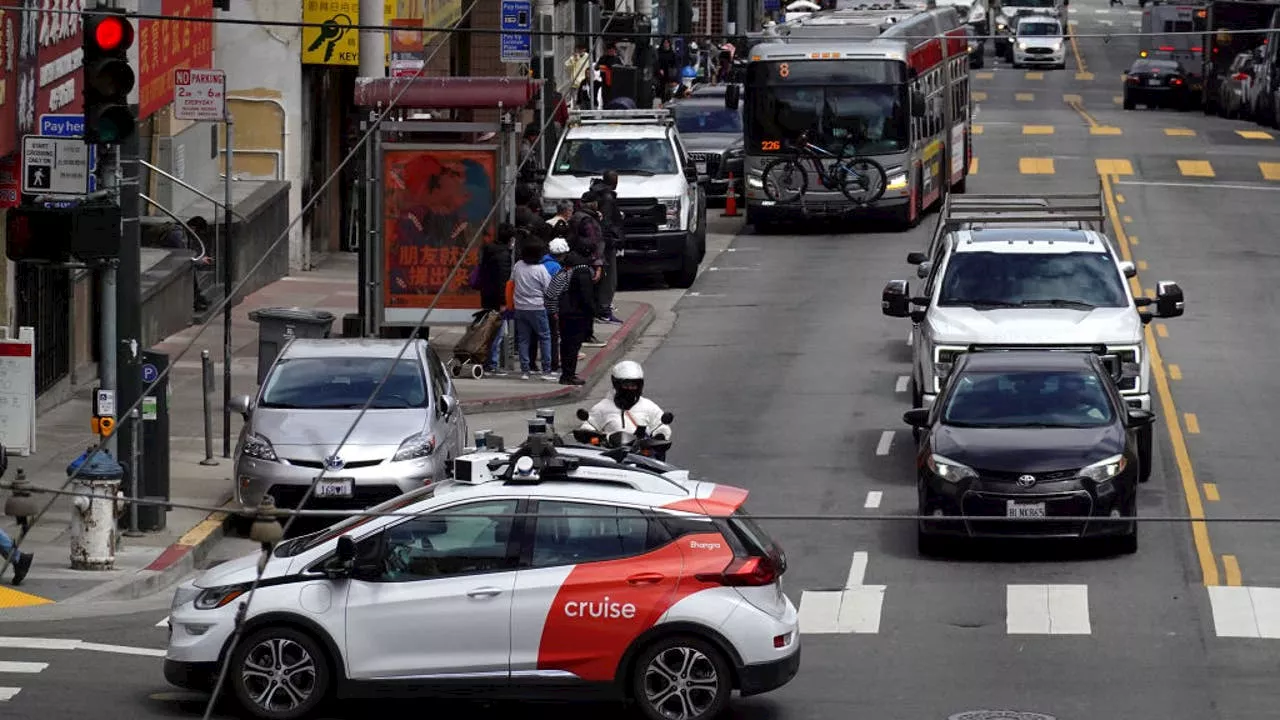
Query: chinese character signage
{"points": [[48, 61], [9, 66], [335, 42], [168, 45], [434, 202]]}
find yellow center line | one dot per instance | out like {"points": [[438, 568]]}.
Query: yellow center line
{"points": [[1081, 111], [1190, 488], [1232, 567], [1075, 52]]}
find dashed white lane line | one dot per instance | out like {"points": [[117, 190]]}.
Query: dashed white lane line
{"points": [[1047, 610], [28, 643], [873, 499], [8, 693], [22, 667], [901, 385], [886, 442]]}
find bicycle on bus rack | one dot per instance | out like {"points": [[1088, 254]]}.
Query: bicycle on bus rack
{"points": [[860, 179]]}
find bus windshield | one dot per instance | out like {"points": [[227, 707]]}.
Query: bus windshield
{"points": [[872, 119]]}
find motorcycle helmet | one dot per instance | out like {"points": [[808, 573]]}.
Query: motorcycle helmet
{"points": [[628, 383]]}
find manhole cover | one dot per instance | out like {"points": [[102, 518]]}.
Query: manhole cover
{"points": [[1000, 715]]}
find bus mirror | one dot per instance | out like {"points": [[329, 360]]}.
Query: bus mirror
{"points": [[917, 103], [731, 98]]}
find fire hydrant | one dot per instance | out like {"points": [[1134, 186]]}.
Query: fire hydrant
{"points": [[93, 521]]}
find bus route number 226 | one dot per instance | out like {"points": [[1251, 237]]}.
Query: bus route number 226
{"points": [[770, 145]]}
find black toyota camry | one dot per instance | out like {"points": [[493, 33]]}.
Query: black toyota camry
{"points": [[1028, 434]]}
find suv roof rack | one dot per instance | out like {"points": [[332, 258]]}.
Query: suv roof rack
{"points": [[658, 116], [1084, 211]]}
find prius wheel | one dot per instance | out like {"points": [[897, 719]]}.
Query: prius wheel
{"points": [[681, 678], [279, 674]]}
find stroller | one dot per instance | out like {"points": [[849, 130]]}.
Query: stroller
{"points": [[472, 350]]}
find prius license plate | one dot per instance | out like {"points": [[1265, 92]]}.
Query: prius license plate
{"points": [[1016, 509], [702, 168], [335, 488]]}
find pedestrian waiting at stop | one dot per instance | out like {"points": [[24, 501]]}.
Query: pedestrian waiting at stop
{"points": [[21, 561], [530, 280]]}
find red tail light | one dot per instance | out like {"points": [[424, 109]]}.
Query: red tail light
{"points": [[1240, 76], [1176, 81], [744, 572], [1200, 49], [1166, 48]]}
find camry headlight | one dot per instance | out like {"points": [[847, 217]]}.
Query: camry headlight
{"points": [[214, 598], [1104, 470], [1022, 46], [257, 446], [897, 182], [950, 470], [673, 211], [418, 445]]}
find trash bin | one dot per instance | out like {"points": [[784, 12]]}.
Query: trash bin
{"points": [[279, 325]]}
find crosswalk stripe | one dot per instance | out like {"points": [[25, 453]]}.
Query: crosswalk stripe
{"points": [[977, 96], [855, 608], [1113, 166], [1047, 610], [1179, 132], [1117, 99], [1255, 135], [1084, 76], [973, 167], [1196, 168], [1270, 170], [1105, 130], [988, 75], [1037, 129], [1035, 166], [1024, 97], [1245, 612], [8, 693], [976, 129], [1033, 75], [22, 667]]}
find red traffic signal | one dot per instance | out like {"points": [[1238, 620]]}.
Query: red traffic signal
{"points": [[111, 33]]}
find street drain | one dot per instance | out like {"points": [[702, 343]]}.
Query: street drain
{"points": [[1000, 715]]}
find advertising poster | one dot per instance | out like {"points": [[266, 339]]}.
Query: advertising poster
{"points": [[434, 202]]}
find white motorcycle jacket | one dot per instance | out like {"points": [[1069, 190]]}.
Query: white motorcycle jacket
{"points": [[607, 418]]}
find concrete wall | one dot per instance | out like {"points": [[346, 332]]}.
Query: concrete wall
{"points": [[264, 82]]}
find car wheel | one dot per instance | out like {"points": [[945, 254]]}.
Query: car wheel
{"points": [[681, 678], [928, 545], [279, 673], [1146, 437], [1129, 104], [688, 272], [1128, 544]]}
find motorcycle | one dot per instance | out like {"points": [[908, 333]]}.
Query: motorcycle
{"points": [[638, 443]]}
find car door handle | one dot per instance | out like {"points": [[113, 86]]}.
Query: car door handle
{"points": [[645, 579], [485, 592]]}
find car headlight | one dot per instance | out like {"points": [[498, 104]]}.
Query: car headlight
{"points": [[183, 595], [418, 445], [1022, 46], [970, 47], [673, 211], [943, 360], [257, 446], [950, 470], [897, 182], [214, 598], [1002, 27], [1104, 470]]}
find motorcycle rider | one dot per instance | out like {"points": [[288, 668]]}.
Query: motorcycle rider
{"points": [[627, 408]]}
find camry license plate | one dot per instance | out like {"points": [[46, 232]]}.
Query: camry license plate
{"points": [[1155, 81], [1015, 509], [702, 168], [335, 488]]}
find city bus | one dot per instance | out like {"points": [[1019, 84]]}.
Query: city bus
{"points": [[898, 73]]}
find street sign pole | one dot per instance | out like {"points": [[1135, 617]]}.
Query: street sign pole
{"points": [[228, 278]]}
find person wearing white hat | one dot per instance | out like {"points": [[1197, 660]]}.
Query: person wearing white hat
{"points": [[553, 261]]}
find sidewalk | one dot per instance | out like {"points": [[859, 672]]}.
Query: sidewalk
{"points": [[157, 559]]}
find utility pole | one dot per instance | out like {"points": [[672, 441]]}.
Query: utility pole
{"points": [[373, 43], [227, 258]]}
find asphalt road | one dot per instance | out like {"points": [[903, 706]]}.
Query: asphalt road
{"points": [[783, 375]]}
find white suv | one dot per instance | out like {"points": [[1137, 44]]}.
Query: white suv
{"points": [[529, 570], [661, 190]]}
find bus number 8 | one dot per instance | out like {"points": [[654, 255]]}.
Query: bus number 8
{"points": [[784, 70]]}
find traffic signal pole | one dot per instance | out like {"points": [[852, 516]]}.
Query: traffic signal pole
{"points": [[108, 287], [128, 299]]}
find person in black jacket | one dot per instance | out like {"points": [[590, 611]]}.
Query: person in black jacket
{"points": [[575, 296], [606, 188], [495, 271]]}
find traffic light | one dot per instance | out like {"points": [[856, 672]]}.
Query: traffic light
{"points": [[90, 231], [108, 78]]}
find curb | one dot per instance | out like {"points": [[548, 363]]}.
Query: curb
{"points": [[619, 343], [171, 565]]}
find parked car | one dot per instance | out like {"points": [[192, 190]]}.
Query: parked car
{"points": [[310, 398], [713, 136], [1237, 95]]}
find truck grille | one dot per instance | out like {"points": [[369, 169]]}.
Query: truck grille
{"points": [[642, 215], [711, 159]]}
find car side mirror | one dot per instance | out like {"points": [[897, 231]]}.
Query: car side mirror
{"points": [[1169, 301], [731, 97], [1129, 269], [346, 549], [241, 404], [916, 417], [917, 104], [895, 299], [915, 258], [447, 405], [667, 417], [342, 563], [583, 414], [923, 270], [1138, 418]]}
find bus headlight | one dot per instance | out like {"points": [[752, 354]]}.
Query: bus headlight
{"points": [[897, 182]]}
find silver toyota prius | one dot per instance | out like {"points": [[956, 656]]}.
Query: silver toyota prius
{"points": [[310, 398]]}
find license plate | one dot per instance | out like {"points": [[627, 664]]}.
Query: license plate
{"points": [[1015, 509], [702, 168], [1155, 81], [339, 488]]}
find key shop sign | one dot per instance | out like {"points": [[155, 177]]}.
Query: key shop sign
{"points": [[200, 95], [335, 42]]}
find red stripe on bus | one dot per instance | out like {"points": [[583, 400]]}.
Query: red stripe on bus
{"points": [[926, 55]]}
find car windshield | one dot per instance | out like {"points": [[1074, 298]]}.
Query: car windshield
{"points": [[344, 383], [872, 119], [699, 119], [1052, 398], [303, 543], [586, 157], [1078, 280], [1039, 29]]}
